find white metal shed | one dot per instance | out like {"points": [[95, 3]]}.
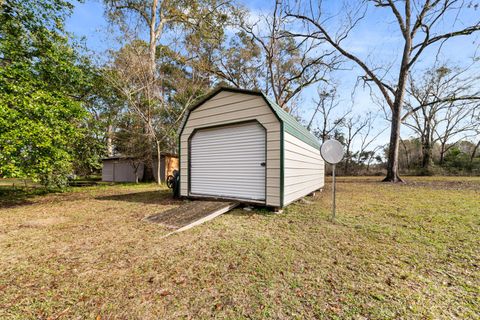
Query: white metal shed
{"points": [[238, 144]]}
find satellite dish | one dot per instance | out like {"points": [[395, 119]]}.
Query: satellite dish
{"points": [[332, 151]]}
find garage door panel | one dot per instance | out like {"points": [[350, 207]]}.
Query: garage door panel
{"points": [[225, 155], [224, 135], [240, 142], [226, 162], [229, 182]]}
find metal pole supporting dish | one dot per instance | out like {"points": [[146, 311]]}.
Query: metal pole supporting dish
{"points": [[333, 192], [332, 152]]}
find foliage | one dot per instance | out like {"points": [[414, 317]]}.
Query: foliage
{"points": [[102, 104], [158, 81], [441, 108], [458, 160], [43, 79]]}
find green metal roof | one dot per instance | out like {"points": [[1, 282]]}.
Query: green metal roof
{"points": [[292, 126]]}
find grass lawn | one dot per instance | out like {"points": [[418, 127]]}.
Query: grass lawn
{"points": [[395, 251]]}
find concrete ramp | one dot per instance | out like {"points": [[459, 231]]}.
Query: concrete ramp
{"points": [[191, 214]]}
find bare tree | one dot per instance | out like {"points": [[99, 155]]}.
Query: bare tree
{"points": [[143, 85], [342, 125], [440, 106], [367, 137], [154, 14], [326, 107], [457, 124], [476, 119], [130, 75], [359, 128], [410, 154], [238, 63], [369, 156], [474, 151], [420, 25], [264, 58], [129, 140]]}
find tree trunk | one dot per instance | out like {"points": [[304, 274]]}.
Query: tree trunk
{"points": [[426, 140], [474, 152], [148, 175], [347, 162], [442, 153], [426, 157], [152, 48], [109, 141], [368, 165], [136, 173], [392, 164], [159, 161], [407, 155]]}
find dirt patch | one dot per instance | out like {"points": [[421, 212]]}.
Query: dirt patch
{"points": [[186, 213], [145, 197], [39, 223], [434, 182], [445, 185]]}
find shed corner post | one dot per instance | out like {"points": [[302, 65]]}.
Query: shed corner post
{"points": [[282, 163], [180, 162]]}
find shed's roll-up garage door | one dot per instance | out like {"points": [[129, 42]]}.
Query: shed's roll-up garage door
{"points": [[229, 161]]}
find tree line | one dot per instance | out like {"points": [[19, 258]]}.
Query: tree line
{"points": [[61, 111]]}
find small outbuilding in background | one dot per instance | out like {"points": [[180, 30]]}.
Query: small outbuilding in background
{"points": [[238, 144], [128, 169]]}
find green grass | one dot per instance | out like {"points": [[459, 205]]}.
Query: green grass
{"points": [[16, 183], [395, 251]]}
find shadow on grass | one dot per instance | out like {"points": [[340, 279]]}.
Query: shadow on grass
{"points": [[148, 197], [356, 179], [252, 210], [13, 197]]}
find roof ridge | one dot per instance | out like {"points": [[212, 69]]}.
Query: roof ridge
{"points": [[291, 125], [292, 121]]}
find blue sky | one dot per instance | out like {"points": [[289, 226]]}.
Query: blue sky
{"points": [[88, 21], [376, 40]]}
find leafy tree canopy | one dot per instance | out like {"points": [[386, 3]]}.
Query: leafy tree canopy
{"points": [[43, 80]]}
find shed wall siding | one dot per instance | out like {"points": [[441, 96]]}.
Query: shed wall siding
{"points": [[304, 169], [107, 171], [228, 108], [120, 171]]}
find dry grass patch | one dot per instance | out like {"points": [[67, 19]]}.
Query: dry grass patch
{"points": [[396, 251], [44, 222]]}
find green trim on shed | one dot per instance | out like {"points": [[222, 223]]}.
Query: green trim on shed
{"points": [[288, 123], [292, 126], [282, 164], [180, 165]]}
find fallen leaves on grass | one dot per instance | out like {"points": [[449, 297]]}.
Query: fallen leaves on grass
{"points": [[395, 251]]}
